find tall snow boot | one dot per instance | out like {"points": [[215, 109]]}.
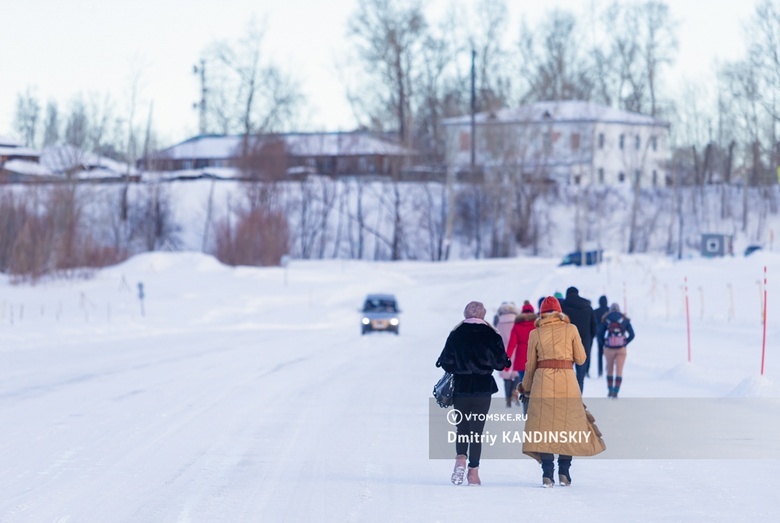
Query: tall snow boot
{"points": [[473, 476], [610, 386], [460, 470], [547, 473], [618, 382], [564, 478]]}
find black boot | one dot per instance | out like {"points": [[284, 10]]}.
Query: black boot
{"points": [[563, 471], [547, 472]]}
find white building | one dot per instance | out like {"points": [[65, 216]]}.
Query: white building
{"points": [[570, 142]]}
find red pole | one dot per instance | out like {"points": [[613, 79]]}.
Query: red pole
{"points": [[763, 343], [688, 319]]}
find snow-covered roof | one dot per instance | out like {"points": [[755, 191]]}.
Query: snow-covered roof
{"points": [[26, 167], [222, 173], [342, 144], [14, 150], [8, 142], [559, 111], [62, 158], [206, 146], [297, 144]]}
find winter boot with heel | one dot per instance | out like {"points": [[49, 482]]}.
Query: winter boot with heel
{"points": [[460, 470], [564, 478], [473, 476], [547, 474]]}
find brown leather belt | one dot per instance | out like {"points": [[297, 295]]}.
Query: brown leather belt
{"points": [[554, 364]]}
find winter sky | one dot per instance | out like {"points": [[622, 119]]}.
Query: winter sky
{"points": [[92, 46]]}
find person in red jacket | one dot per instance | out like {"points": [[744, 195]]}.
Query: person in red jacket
{"points": [[517, 347]]}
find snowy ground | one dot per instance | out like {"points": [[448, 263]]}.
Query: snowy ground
{"points": [[249, 395]]}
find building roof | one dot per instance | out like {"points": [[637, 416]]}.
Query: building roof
{"points": [[297, 144], [8, 142], [568, 111], [26, 167], [14, 150], [63, 158]]}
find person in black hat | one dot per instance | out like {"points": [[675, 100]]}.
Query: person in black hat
{"points": [[581, 315]]}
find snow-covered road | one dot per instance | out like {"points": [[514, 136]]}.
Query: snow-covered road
{"points": [[245, 395]]}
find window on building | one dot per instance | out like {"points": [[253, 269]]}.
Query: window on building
{"points": [[575, 141], [622, 141], [601, 140], [601, 175], [547, 141], [637, 174], [654, 143], [577, 179], [655, 178], [465, 141], [636, 142], [621, 177]]}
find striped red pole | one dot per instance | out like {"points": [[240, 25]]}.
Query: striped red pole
{"points": [[688, 319], [763, 343]]}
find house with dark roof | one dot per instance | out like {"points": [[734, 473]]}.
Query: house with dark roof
{"points": [[19, 163], [568, 142], [280, 155]]}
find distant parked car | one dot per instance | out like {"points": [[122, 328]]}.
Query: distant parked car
{"points": [[380, 313], [575, 258], [751, 249]]}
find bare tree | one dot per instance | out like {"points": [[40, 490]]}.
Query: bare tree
{"points": [[51, 126], [551, 61], [249, 94], [388, 35], [487, 39], [26, 116], [629, 62]]}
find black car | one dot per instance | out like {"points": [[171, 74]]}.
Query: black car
{"points": [[380, 313], [576, 258]]}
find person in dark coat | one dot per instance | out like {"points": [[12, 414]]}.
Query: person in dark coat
{"points": [[474, 349], [581, 315], [617, 332], [600, 312]]}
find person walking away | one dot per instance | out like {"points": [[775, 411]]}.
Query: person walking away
{"points": [[503, 322], [473, 350], [581, 315], [600, 312], [517, 348], [617, 333], [555, 403]]}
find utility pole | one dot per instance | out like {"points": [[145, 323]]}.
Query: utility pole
{"points": [[201, 105], [473, 109], [678, 190]]}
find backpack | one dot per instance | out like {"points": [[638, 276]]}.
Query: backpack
{"points": [[616, 335]]}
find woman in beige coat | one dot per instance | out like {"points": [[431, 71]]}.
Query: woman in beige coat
{"points": [[557, 422]]}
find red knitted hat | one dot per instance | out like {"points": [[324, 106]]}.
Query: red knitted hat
{"points": [[527, 307], [550, 304]]}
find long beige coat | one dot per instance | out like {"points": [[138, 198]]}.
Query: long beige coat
{"points": [[555, 408]]}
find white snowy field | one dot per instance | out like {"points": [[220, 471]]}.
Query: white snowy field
{"points": [[248, 394]]}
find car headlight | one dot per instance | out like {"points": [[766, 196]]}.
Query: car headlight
{"points": [[366, 321], [394, 321]]}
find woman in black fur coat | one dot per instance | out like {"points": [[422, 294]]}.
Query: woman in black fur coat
{"points": [[474, 349]]}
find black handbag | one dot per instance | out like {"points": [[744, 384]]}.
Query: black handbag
{"points": [[444, 390]]}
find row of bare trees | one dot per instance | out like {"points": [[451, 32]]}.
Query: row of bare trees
{"points": [[69, 229], [407, 73]]}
